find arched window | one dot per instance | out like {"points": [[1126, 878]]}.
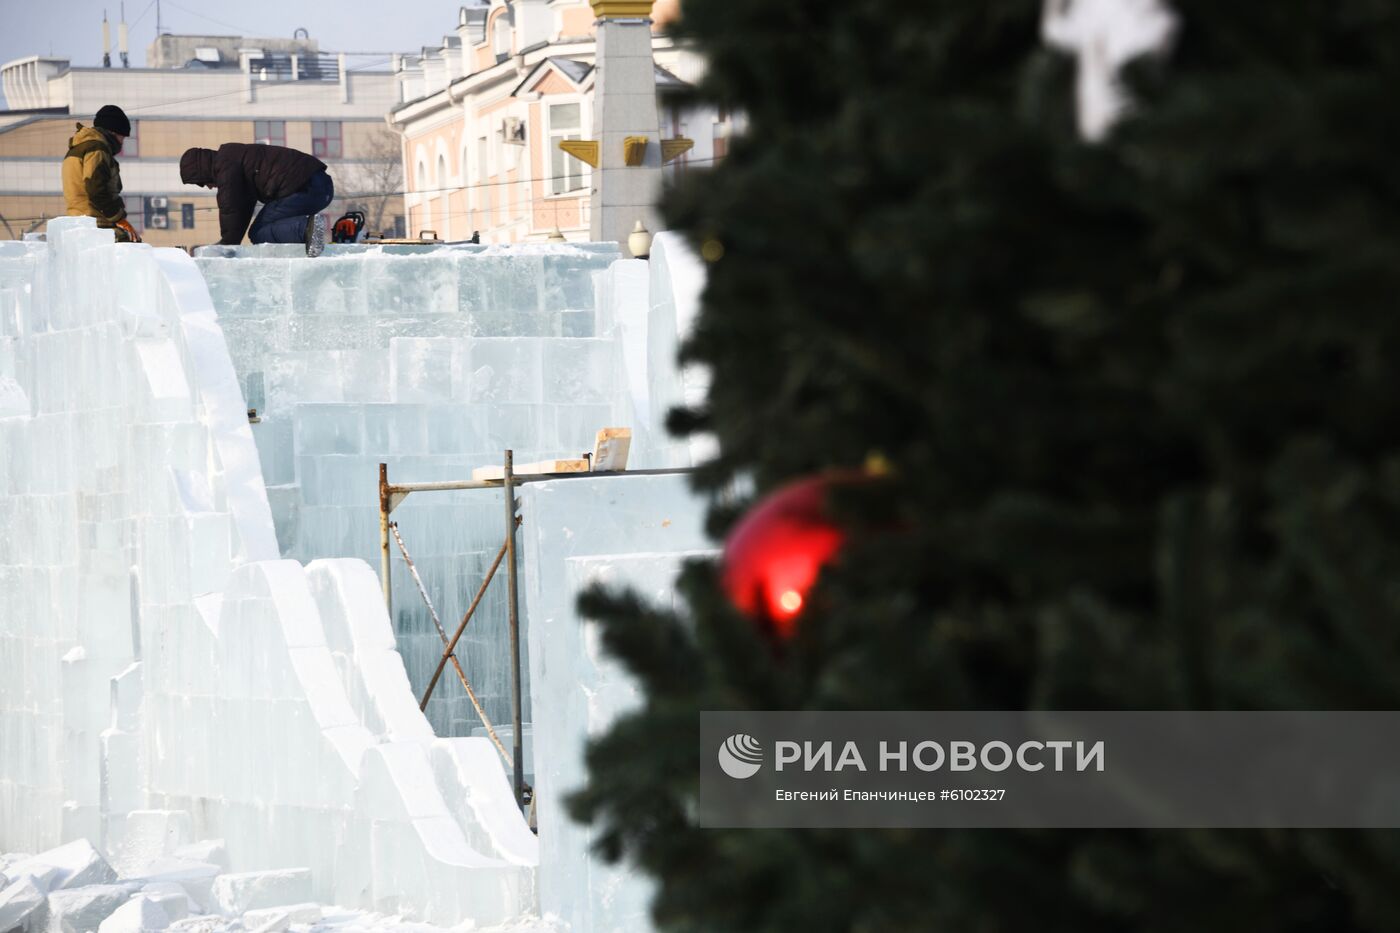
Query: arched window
{"points": [[500, 38], [442, 172], [422, 176]]}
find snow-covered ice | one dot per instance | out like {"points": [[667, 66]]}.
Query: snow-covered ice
{"points": [[239, 893], [83, 909], [20, 901], [138, 915]]}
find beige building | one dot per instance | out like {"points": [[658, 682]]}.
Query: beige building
{"points": [[205, 91], [483, 113]]}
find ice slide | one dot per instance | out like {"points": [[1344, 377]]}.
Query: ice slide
{"points": [[156, 654]]}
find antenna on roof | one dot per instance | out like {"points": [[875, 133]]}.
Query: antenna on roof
{"points": [[106, 42], [121, 39], [159, 32]]}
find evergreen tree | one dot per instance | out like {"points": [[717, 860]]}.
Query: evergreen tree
{"points": [[1142, 401]]}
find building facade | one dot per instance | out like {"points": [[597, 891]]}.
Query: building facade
{"points": [[481, 117], [208, 91]]}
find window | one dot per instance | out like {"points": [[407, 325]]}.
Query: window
{"points": [[500, 43], [479, 192], [566, 172], [422, 176], [270, 132], [187, 215], [131, 148], [723, 127], [442, 173], [679, 129], [325, 139]]}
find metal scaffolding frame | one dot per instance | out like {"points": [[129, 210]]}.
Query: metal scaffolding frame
{"points": [[392, 495]]}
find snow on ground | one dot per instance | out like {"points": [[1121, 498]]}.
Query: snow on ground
{"points": [[73, 889]]}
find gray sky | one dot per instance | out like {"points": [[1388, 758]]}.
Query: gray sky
{"points": [[72, 29]]}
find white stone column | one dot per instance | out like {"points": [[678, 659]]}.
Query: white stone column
{"points": [[624, 104]]}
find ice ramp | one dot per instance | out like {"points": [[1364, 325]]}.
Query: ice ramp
{"points": [[155, 653]]}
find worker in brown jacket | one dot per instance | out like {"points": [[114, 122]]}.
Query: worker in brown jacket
{"points": [[92, 179]]}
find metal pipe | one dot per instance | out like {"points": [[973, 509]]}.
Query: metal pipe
{"points": [[452, 485], [384, 540], [446, 486], [452, 645], [513, 605]]}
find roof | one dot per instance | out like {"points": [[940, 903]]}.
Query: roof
{"points": [[573, 69], [33, 111], [665, 81], [580, 73]]}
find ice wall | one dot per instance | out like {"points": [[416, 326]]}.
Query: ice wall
{"points": [[157, 656], [434, 362], [677, 280], [618, 531]]}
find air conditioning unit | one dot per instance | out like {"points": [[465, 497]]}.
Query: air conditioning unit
{"points": [[158, 221], [160, 204], [513, 131]]}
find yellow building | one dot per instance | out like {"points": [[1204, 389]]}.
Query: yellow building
{"points": [[482, 115], [210, 90]]}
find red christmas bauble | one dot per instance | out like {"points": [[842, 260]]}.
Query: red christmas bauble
{"points": [[774, 555]]}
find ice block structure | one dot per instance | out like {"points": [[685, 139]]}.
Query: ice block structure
{"points": [[434, 361], [677, 279], [189, 649], [620, 532], [165, 676]]}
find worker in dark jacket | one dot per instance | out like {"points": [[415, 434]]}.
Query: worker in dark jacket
{"points": [[92, 179], [293, 186]]}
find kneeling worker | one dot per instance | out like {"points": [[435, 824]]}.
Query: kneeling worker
{"points": [[92, 179], [293, 186]]}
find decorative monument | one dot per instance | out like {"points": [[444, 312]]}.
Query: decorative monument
{"points": [[628, 154]]}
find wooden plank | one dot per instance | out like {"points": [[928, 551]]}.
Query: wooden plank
{"points": [[610, 450], [528, 469]]}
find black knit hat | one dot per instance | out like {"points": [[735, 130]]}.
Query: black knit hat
{"points": [[113, 120], [197, 167]]}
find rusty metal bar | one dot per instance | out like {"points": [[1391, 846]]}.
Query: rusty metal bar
{"points": [[391, 495], [384, 509], [452, 645], [401, 490], [513, 604], [442, 633]]}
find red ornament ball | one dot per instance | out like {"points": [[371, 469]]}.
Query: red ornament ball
{"points": [[774, 555]]}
